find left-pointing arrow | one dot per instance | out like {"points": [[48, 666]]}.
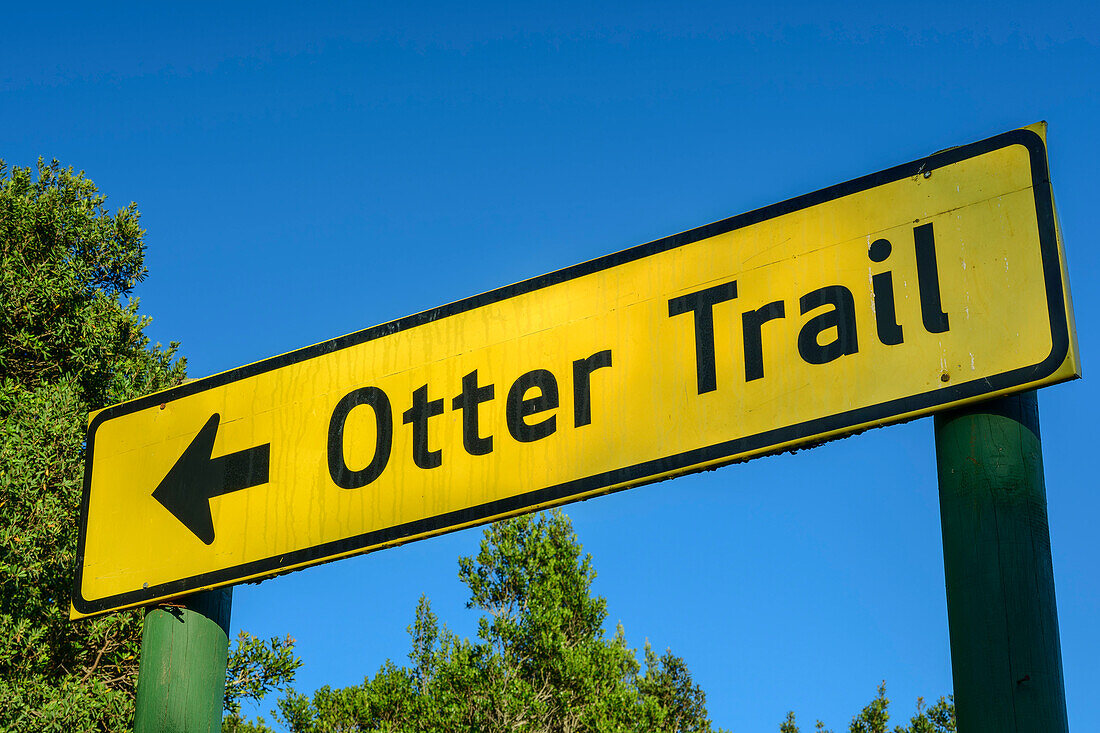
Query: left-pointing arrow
{"points": [[196, 478]]}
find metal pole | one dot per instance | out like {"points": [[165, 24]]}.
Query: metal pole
{"points": [[181, 678], [1005, 655]]}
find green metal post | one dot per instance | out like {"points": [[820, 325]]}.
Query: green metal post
{"points": [[1005, 655], [181, 678]]}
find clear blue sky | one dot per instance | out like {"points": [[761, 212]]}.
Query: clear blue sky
{"points": [[307, 171]]}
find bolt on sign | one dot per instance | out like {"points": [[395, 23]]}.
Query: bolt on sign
{"points": [[925, 286]]}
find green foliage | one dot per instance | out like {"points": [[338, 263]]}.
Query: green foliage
{"points": [[68, 345], [940, 718], [256, 667], [790, 725], [873, 718], [234, 723], [541, 660], [71, 342]]}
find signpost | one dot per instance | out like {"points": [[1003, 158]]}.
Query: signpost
{"points": [[933, 284], [1006, 659]]}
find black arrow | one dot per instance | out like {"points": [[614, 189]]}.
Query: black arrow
{"points": [[196, 478]]}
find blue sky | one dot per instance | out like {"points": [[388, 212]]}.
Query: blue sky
{"points": [[304, 172]]}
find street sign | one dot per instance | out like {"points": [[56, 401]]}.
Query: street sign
{"points": [[927, 285]]}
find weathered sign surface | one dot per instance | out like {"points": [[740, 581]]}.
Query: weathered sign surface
{"points": [[924, 286]]}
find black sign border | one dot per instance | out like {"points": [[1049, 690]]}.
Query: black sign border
{"points": [[636, 474]]}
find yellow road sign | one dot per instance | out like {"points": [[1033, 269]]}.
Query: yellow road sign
{"points": [[927, 285]]}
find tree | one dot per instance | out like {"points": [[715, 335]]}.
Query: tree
{"points": [[541, 660], [255, 667], [873, 718], [71, 341]]}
